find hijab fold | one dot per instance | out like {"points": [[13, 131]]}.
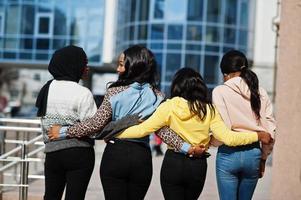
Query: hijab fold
{"points": [[67, 63]]}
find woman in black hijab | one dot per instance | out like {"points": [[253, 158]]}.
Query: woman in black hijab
{"points": [[69, 162]]}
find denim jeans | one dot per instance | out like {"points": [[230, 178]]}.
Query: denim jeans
{"points": [[237, 171]]}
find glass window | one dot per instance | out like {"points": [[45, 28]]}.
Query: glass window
{"points": [[194, 47], [195, 10], [133, 10], [12, 19], [59, 43], [175, 10], [43, 44], [211, 69], [9, 55], [157, 31], [194, 32], [42, 56], [212, 34], [142, 32], [214, 10], [173, 63], [25, 56], [212, 48], [27, 20], [143, 11], [174, 46], [159, 9], [10, 43], [132, 32], [1, 23], [26, 43], [60, 23], [193, 61], [244, 13], [230, 12], [159, 59], [243, 37], [175, 32], [229, 35], [156, 45], [44, 24]]}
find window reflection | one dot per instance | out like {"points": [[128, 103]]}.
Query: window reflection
{"points": [[143, 10], [193, 61], [212, 34], [173, 63], [244, 13], [213, 10], [243, 37], [194, 32], [157, 31], [175, 10], [230, 11], [142, 32], [175, 32], [195, 10], [229, 35], [159, 9], [211, 69]]}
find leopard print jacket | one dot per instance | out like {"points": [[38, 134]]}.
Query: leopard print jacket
{"points": [[104, 115]]}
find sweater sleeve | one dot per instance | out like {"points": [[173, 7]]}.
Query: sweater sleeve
{"points": [[87, 107], [230, 138], [173, 140], [158, 119], [94, 124]]}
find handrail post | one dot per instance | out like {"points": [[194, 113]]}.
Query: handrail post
{"points": [[23, 190]]}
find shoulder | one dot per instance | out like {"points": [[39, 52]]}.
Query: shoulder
{"points": [[115, 90]]}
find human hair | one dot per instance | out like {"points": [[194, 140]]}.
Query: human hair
{"points": [[189, 84], [236, 61], [140, 66]]}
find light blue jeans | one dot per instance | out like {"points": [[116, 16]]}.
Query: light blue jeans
{"points": [[237, 171]]}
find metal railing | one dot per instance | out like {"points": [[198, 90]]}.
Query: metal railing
{"points": [[26, 137]]}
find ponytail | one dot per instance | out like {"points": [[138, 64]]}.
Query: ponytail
{"points": [[252, 81]]}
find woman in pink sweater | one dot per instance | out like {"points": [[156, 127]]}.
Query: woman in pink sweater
{"points": [[244, 106]]}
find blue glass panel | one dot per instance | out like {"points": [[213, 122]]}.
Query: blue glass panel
{"points": [[42, 43], [157, 31], [244, 13], [214, 10], [174, 46], [195, 47], [243, 37], [142, 32], [143, 10], [194, 32], [229, 35], [175, 32], [155, 45], [230, 12], [159, 9], [211, 69], [173, 63], [211, 48], [193, 61], [212, 34], [26, 43], [195, 10], [27, 22]]}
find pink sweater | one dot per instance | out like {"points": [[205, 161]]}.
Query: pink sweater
{"points": [[232, 100]]}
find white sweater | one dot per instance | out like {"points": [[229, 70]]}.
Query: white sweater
{"points": [[68, 102]]}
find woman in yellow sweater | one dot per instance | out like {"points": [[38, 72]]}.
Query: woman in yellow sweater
{"points": [[191, 115]]}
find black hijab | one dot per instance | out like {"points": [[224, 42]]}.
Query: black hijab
{"points": [[67, 64]]}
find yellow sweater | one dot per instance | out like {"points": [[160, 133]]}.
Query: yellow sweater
{"points": [[175, 113]]}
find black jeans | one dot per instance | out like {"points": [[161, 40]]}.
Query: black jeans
{"points": [[182, 177], [126, 170], [71, 168]]}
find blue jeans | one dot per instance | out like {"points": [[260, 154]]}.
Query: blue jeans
{"points": [[237, 171]]}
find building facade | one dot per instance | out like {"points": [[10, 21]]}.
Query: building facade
{"points": [[31, 30], [190, 33]]}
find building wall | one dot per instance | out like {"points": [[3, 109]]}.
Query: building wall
{"points": [[191, 33], [286, 181]]}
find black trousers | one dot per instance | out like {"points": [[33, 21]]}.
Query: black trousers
{"points": [[126, 170], [182, 178], [71, 168]]}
